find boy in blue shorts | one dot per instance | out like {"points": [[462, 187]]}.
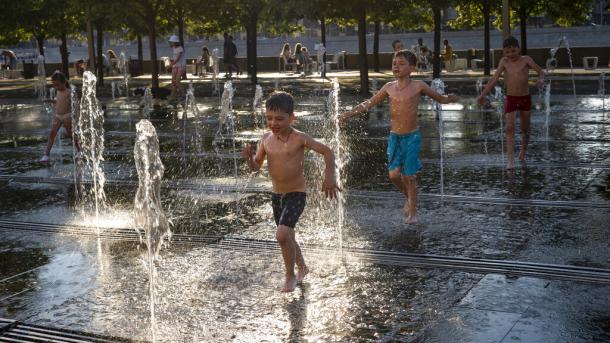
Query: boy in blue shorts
{"points": [[405, 140], [284, 149]]}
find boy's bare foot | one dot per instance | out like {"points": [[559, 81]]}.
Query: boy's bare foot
{"points": [[522, 156], [411, 219], [301, 272], [290, 284], [405, 209]]}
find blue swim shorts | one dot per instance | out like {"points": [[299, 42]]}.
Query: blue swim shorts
{"points": [[403, 151]]}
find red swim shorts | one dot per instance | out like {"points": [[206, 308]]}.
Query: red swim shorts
{"points": [[521, 103]]}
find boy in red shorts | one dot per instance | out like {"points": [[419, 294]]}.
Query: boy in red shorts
{"points": [[516, 75]]}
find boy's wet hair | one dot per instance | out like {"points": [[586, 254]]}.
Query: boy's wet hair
{"points": [[280, 101], [510, 42], [59, 76], [407, 55]]}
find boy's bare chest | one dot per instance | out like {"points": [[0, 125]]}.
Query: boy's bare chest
{"points": [[517, 68], [278, 150]]}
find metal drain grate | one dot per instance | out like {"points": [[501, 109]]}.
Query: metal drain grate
{"points": [[15, 331]]}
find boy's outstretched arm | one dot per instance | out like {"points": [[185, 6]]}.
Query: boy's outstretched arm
{"points": [[443, 99], [536, 67], [366, 105], [492, 82], [329, 186], [255, 161]]}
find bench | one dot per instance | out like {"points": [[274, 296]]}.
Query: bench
{"points": [[589, 62], [460, 64]]}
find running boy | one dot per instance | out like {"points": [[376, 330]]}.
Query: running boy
{"points": [[516, 74], [405, 140], [62, 112], [284, 148]]}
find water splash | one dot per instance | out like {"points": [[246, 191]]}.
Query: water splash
{"points": [[40, 88], [601, 88], [113, 87], [259, 116], [149, 218], [439, 86], [89, 130]]}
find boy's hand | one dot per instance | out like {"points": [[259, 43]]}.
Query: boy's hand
{"points": [[342, 118], [247, 153], [540, 83], [452, 97], [330, 188], [482, 100]]}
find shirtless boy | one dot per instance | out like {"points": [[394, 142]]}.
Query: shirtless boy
{"points": [[515, 68], [405, 140], [284, 148]]}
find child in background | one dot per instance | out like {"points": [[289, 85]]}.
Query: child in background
{"points": [[515, 68], [62, 112]]}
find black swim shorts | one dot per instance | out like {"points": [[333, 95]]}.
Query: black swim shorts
{"points": [[288, 207]]}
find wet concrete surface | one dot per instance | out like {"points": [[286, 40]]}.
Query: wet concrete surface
{"points": [[232, 295]]}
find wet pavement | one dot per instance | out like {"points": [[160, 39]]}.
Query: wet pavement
{"points": [[215, 292]]}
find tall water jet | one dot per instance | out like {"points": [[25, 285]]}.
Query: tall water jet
{"points": [[547, 113], [341, 155], [149, 218], [190, 107], [215, 70], [89, 131], [552, 63], [499, 103], [113, 87], [226, 122], [259, 117], [601, 89], [147, 103], [439, 86], [123, 67], [41, 86]]}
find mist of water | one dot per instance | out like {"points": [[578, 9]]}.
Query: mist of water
{"points": [[123, 67]]}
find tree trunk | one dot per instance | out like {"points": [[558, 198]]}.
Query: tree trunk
{"points": [[251, 24], [323, 30], [362, 61], [152, 42], [90, 42], [523, 23], [63, 50], [376, 45], [100, 59], [180, 23], [436, 67], [40, 42], [140, 54], [486, 18]]}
